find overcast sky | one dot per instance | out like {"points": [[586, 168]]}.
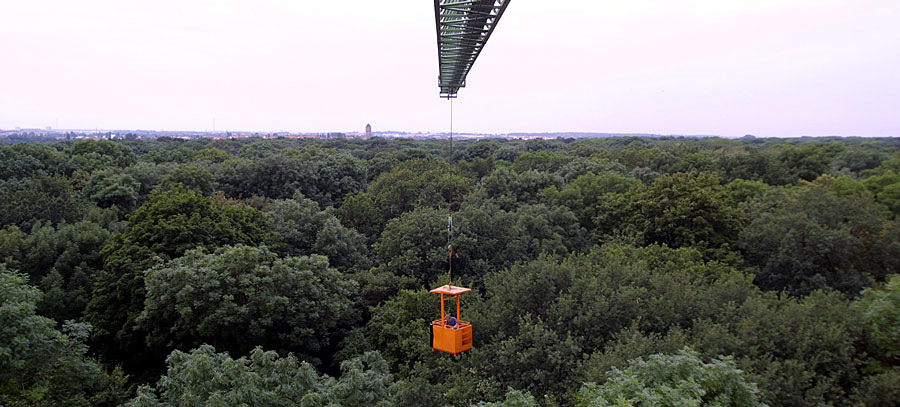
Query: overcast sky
{"points": [[723, 67]]}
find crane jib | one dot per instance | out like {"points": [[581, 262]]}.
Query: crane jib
{"points": [[463, 28]]}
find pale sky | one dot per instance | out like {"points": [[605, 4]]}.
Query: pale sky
{"points": [[723, 67]]}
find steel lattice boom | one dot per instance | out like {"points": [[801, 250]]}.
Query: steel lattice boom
{"points": [[463, 27]]}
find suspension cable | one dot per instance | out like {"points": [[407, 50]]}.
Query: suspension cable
{"points": [[450, 204]]}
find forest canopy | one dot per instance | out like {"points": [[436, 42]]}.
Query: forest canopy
{"points": [[626, 271]]}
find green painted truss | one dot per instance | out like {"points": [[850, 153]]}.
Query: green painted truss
{"points": [[463, 27]]}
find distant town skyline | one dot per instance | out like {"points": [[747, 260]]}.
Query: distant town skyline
{"points": [[783, 68]]}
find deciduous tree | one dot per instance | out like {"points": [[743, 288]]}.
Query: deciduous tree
{"points": [[241, 297], [683, 379], [40, 365], [173, 221], [204, 377]]}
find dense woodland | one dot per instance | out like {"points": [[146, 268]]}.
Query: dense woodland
{"points": [[618, 271]]}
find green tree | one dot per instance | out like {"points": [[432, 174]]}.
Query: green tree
{"points": [[487, 239], [509, 189], [11, 239], [398, 328], [484, 148], [28, 200], [880, 309], [359, 212], [14, 164], [64, 261], [876, 183], [416, 183], [801, 352], [886, 188], [890, 197], [323, 176], [306, 230], [673, 380], [415, 245], [234, 177], [678, 210], [149, 176], [170, 153], [857, 160], [600, 166], [597, 294], [92, 155], [40, 365], [30, 159], [742, 190], [815, 238], [212, 154], [204, 377], [809, 162], [553, 229], [514, 398], [337, 175], [278, 176], [582, 196], [619, 302], [477, 167], [52, 158], [194, 177], [538, 359], [173, 221], [241, 297], [109, 188], [541, 161], [365, 381], [754, 165], [881, 390]]}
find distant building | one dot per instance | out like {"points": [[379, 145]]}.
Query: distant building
{"points": [[368, 131]]}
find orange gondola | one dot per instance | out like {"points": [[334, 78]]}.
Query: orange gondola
{"points": [[451, 335]]}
